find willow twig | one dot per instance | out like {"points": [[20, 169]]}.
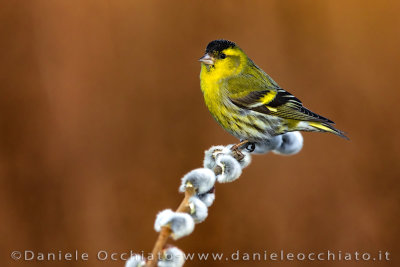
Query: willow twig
{"points": [[166, 231]]}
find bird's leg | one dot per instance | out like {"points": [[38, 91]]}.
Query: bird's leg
{"points": [[236, 149], [238, 145]]}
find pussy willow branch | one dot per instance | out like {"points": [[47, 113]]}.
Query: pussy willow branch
{"points": [[166, 231], [184, 207]]}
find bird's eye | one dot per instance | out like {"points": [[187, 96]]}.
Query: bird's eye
{"points": [[222, 56]]}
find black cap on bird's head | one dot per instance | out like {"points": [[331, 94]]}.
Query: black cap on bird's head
{"points": [[214, 50], [219, 46]]}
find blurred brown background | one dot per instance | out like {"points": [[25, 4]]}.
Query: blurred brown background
{"points": [[101, 114]]}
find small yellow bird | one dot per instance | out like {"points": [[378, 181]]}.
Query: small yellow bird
{"points": [[247, 102]]}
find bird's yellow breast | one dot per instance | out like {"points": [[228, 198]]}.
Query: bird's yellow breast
{"points": [[223, 111], [211, 86]]}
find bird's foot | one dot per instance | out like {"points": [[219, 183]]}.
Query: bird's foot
{"points": [[236, 149], [238, 145]]}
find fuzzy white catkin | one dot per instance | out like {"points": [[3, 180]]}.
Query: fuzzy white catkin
{"points": [[207, 198], [135, 261], [181, 224], [162, 219], [246, 160], [231, 169], [268, 145], [198, 209], [172, 257], [292, 143], [201, 179], [210, 156]]}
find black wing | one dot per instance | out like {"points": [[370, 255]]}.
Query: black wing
{"points": [[278, 102]]}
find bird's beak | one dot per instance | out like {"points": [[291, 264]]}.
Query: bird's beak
{"points": [[207, 59]]}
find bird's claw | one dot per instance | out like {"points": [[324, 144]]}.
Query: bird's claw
{"points": [[236, 149]]}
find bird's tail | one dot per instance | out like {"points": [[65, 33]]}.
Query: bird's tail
{"points": [[326, 127]]}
